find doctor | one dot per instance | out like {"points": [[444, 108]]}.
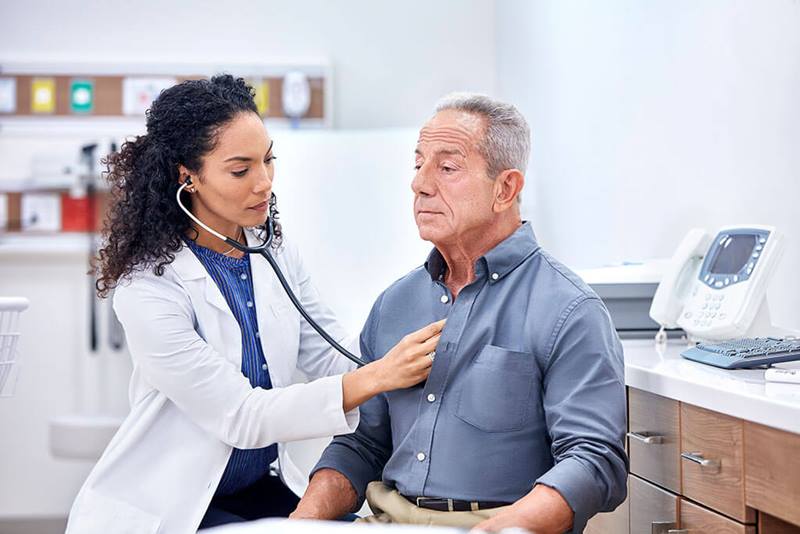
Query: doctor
{"points": [[215, 341]]}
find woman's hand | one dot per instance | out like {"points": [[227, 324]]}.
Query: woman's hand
{"points": [[408, 363]]}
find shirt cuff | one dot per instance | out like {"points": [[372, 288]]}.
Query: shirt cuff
{"points": [[576, 483]]}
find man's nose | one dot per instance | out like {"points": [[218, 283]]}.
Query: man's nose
{"points": [[423, 184]]}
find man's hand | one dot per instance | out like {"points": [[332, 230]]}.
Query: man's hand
{"points": [[329, 496], [542, 511]]}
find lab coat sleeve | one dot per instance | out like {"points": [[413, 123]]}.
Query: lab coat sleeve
{"points": [[584, 403], [316, 358], [158, 319], [361, 456]]}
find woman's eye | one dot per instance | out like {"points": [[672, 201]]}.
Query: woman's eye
{"points": [[239, 174], [268, 160]]}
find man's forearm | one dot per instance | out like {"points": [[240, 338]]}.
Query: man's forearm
{"points": [[329, 496]]}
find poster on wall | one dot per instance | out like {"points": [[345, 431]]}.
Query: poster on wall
{"points": [[139, 93], [81, 96], [43, 95]]}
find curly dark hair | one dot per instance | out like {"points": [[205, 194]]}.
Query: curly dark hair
{"points": [[144, 227]]}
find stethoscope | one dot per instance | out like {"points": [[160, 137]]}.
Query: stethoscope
{"points": [[263, 249]]}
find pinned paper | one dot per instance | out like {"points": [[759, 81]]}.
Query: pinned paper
{"points": [[3, 211], [43, 95], [41, 211], [81, 99], [8, 95], [262, 96], [138, 93]]}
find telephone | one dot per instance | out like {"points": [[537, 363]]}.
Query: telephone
{"points": [[715, 289]]}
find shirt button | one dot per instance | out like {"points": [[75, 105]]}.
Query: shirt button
{"points": [[444, 299], [264, 366], [495, 276], [258, 335], [431, 397], [243, 276], [249, 303], [421, 457]]}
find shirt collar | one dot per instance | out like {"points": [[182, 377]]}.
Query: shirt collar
{"points": [[501, 260]]}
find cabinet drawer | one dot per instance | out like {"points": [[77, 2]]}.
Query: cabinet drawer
{"points": [[652, 509], [697, 520], [772, 525], [653, 439], [772, 465], [712, 461]]}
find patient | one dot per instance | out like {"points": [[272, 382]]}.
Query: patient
{"points": [[521, 421]]}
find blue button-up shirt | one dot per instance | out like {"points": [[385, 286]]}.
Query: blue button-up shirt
{"points": [[232, 276], [527, 388]]}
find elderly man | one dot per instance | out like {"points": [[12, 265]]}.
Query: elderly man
{"points": [[522, 418]]}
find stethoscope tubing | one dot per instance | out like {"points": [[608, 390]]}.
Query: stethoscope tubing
{"points": [[263, 249]]}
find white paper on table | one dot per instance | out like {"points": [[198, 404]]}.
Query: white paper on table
{"points": [[41, 211], [138, 93]]}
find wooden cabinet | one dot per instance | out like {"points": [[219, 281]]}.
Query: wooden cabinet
{"points": [[772, 467], [696, 519], [696, 471], [652, 509], [653, 439], [712, 461], [771, 525]]}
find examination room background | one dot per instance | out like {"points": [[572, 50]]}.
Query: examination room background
{"points": [[648, 119]]}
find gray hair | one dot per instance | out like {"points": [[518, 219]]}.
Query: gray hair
{"points": [[507, 139]]}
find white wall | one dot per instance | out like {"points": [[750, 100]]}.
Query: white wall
{"points": [[391, 60], [649, 118]]}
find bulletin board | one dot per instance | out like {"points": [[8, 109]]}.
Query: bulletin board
{"points": [[42, 92]]}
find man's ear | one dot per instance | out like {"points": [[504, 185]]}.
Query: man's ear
{"points": [[507, 187]]}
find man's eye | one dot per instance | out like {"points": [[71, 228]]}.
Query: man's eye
{"points": [[239, 174], [448, 169], [417, 167]]}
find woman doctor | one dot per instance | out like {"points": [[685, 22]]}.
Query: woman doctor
{"points": [[215, 341]]}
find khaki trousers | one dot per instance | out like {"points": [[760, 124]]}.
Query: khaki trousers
{"points": [[388, 506]]}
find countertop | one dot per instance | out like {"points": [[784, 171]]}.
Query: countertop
{"points": [[741, 393]]}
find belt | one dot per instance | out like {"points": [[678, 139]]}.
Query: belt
{"points": [[453, 505]]}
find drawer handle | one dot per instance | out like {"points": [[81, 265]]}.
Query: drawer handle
{"points": [[666, 527], [705, 463], [647, 439]]}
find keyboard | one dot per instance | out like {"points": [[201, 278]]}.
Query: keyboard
{"points": [[745, 352]]}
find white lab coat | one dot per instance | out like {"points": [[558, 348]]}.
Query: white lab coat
{"points": [[190, 402]]}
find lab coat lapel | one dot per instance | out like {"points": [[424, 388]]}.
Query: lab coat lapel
{"points": [[199, 282]]}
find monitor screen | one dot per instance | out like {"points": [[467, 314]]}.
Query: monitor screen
{"points": [[733, 254]]}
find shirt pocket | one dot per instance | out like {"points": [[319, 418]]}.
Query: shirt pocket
{"points": [[495, 393]]}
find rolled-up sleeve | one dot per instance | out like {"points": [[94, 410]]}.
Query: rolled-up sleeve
{"points": [[584, 403], [361, 456]]}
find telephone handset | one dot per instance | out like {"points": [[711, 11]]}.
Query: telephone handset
{"points": [[677, 281], [715, 288]]}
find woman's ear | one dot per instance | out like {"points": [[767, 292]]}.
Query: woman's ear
{"points": [[185, 177]]}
